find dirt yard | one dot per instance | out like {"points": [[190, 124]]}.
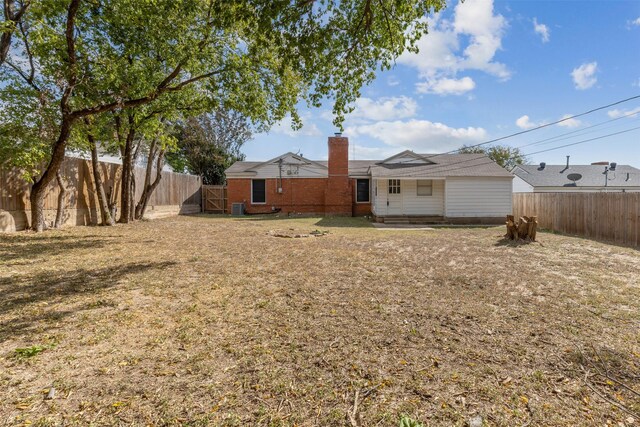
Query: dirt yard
{"points": [[217, 321]]}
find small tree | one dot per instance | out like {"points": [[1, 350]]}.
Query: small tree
{"points": [[210, 143], [504, 155]]}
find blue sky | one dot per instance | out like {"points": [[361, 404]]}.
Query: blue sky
{"points": [[491, 68]]}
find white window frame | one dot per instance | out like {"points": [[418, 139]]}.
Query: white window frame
{"points": [[265, 192], [418, 186], [394, 186], [369, 192]]}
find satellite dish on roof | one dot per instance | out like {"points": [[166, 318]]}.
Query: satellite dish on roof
{"points": [[574, 177]]}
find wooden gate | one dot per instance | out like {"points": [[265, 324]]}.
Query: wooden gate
{"points": [[214, 198]]}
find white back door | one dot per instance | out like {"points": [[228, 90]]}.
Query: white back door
{"points": [[394, 197]]}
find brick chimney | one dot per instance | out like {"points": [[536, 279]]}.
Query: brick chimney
{"points": [[338, 200]]}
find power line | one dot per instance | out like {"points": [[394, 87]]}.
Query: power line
{"points": [[543, 125], [528, 154], [580, 131]]}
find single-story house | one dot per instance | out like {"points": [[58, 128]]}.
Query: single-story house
{"points": [[462, 188], [596, 177]]}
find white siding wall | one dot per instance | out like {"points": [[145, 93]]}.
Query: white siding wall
{"points": [[478, 197], [412, 204], [521, 186], [374, 207], [380, 200]]}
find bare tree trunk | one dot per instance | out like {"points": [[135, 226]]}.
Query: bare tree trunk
{"points": [[111, 196], [147, 177], [132, 198], [150, 160], [105, 212], [132, 195], [38, 189], [149, 188], [61, 196], [125, 192], [127, 172], [59, 147]]}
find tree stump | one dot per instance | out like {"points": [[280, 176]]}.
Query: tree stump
{"points": [[525, 228]]}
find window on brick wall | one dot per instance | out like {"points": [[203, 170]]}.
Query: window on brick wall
{"points": [[394, 186], [258, 191], [362, 191], [425, 187]]}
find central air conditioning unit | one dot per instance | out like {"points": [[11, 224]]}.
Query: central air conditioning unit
{"points": [[237, 209]]}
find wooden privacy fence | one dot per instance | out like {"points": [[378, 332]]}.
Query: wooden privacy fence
{"points": [[214, 198], [176, 193], [601, 216]]}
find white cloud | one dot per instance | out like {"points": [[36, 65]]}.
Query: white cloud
{"points": [[570, 123], [636, 22], [584, 76], [419, 135], [467, 42], [614, 114], [447, 86], [525, 122], [476, 19], [393, 81], [541, 29], [284, 127], [386, 108]]}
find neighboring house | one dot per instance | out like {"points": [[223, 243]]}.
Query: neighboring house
{"points": [[466, 188], [596, 177]]}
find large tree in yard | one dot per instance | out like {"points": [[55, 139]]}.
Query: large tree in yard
{"points": [[259, 58], [504, 155]]}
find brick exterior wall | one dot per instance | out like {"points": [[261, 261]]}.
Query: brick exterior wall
{"points": [[299, 195], [334, 195], [339, 193]]}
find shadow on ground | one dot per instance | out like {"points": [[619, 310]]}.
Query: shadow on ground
{"points": [[48, 288], [504, 241], [340, 221], [30, 247], [327, 221]]}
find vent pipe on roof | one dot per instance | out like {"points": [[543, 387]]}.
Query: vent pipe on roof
{"points": [[568, 162], [612, 166], [542, 165], [627, 177]]}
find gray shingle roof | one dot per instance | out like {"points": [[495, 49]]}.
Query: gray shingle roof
{"points": [[444, 165], [592, 176], [356, 167]]}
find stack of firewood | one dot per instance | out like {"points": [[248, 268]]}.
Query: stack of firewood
{"points": [[525, 228]]}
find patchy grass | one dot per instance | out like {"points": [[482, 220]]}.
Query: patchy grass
{"points": [[215, 321], [27, 352]]}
